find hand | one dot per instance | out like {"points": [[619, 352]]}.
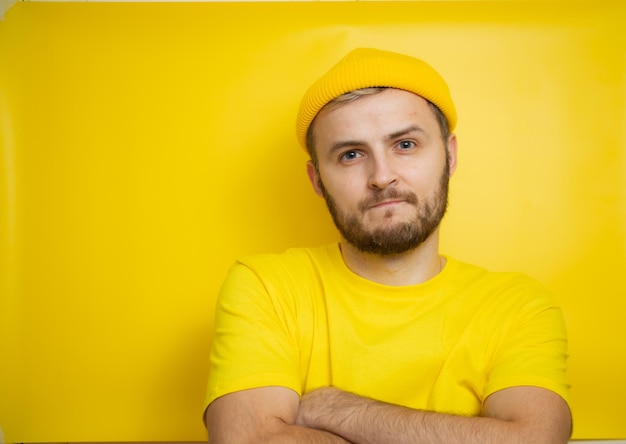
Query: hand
{"points": [[324, 406], [310, 404]]}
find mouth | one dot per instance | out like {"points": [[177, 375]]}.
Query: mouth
{"points": [[386, 203], [388, 199]]}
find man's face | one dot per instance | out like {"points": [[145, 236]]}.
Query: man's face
{"points": [[383, 170]]}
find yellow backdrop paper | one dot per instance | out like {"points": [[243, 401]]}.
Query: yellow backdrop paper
{"points": [[144, 147]]}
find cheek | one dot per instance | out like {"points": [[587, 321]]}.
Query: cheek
{"points": [[342, 191], [334, 179], [425, 175]]}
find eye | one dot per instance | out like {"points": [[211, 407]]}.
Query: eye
{"points": [[350, 155], [406, 144]]}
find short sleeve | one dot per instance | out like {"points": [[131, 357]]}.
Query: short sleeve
{"points": [[533, 351], [252, 346]]}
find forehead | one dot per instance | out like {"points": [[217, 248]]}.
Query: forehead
{"points": [[380, 110]]}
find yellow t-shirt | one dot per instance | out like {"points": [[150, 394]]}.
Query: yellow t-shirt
{"points": [[303, 320]]}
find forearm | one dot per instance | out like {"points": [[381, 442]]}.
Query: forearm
{"points": [[263, 415], [278, 434], [295, 434], [377, 423], [365, 421]]}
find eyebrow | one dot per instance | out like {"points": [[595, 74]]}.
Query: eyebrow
{"points": [[407, 130], [353, 143]]}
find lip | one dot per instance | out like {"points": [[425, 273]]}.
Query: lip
{"points": [[386, 203]]}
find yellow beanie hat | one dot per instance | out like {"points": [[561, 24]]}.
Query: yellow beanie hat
{"points": [[365, 68]]}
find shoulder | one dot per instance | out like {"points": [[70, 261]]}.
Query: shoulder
{"points": [[505, 289], [292, 261], [296, 268]]}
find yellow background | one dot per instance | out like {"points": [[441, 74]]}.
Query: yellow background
{"points": [[144, 147]]}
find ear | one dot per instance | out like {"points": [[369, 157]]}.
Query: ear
{"points": [[314, 178], [452, 153]]}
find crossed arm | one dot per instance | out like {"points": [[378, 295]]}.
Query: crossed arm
{"points": [[517, 415]]}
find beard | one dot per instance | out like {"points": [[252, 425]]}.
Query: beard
{"points": [[396, 238]]}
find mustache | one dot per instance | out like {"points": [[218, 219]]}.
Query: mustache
{"points": [[388, 194]]}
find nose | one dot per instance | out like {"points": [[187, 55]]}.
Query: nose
{"points": [[382, 173]]}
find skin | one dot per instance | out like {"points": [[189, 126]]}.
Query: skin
{"points": [[390, 139]]}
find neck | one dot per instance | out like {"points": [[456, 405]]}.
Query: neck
{"points": [[413, 267]]}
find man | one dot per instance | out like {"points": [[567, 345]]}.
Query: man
{"points": [[379, 338]]}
